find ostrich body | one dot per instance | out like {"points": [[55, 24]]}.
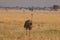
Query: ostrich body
{"points": [[28, 25]]}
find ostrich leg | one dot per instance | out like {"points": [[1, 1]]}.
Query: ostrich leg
{"points": [[26, 31], [29, 35]]}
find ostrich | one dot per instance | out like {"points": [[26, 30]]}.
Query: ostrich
{"points": [[28, 25]]}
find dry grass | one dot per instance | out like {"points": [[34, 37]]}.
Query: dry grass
{"points": [[46, 24]]}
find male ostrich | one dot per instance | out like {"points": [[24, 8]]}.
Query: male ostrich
{"points": [[28, 25]]}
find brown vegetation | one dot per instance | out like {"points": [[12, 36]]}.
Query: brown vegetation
{"points": [[46, 24]]}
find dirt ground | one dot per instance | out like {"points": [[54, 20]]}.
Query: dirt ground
{"points": [[46, 24]]}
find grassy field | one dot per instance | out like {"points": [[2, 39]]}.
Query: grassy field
{"points": [[46, 24]]}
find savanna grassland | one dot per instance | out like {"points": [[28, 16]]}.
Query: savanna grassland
{"points": [[46, 24]]}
